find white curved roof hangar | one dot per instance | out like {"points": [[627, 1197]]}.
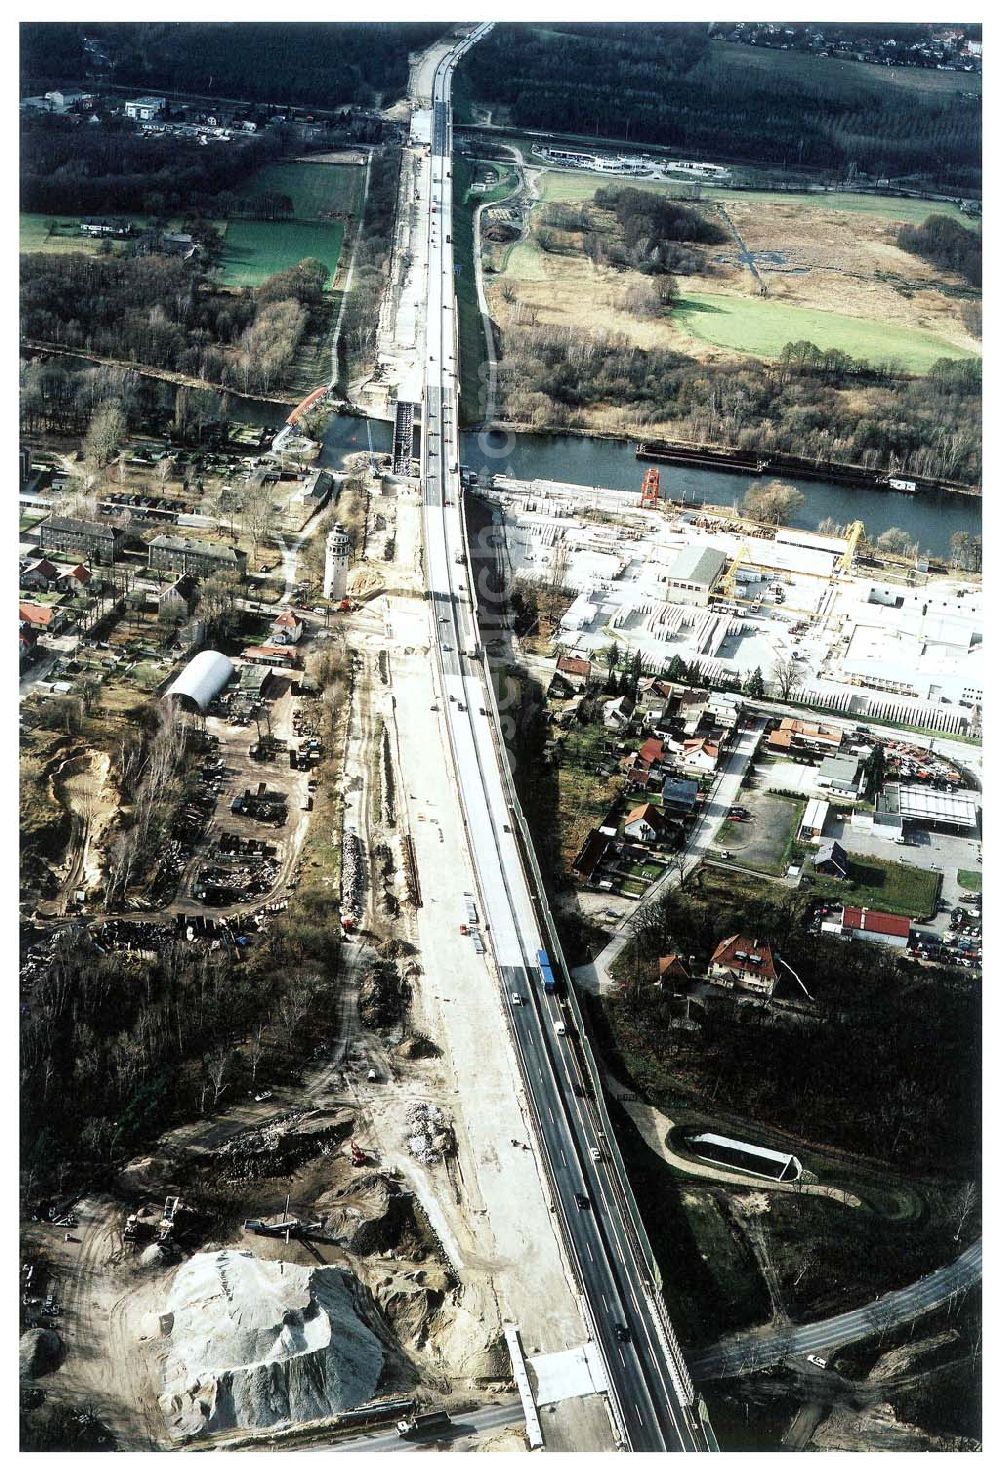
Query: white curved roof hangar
{"points": [[202, 678]]}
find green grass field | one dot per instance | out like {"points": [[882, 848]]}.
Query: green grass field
{"points": [[254, 249], [887, 886], [61, 233], [760, 327], [315, 190], [970, 880]]}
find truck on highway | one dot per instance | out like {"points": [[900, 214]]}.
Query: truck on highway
{"points": [[549, 983], [425, 1423]]}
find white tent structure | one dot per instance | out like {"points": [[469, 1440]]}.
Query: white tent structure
{"points": [[202, 679]]}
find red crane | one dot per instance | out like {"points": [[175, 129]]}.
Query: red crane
{"points": [[651, 489]]}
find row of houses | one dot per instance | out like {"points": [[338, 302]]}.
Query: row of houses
{"points": [[104, 542]]}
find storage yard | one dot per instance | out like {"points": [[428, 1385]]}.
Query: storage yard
{"points": [[895, 643]]}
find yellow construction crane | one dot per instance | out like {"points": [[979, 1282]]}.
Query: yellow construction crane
{"points": [[728, 586], [853, 534]]}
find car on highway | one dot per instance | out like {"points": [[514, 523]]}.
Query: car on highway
{"points": [[560, 1028], [815, 1360], [516, 999], [595, 1154], [582, 1201], [622, 1333]]}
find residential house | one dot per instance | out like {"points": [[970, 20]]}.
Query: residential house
{"points": [[831, 860], [645, 767], [645, 823], [575, 671], [744, 962], [672, 972], [842, 776], [26, 641], [39, 574], [182, 592], [679, 796], [700, 755], [287, 628], [169, 552], [795, 738], [70, 99], [593, 852], [866, 926], [73, 580], [618, 713], [42, 618]]}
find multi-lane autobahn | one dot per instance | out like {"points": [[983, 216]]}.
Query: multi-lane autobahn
{"points": [[652, 1408]]}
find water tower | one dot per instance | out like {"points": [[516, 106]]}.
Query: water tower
{"points": [[338, 556]]}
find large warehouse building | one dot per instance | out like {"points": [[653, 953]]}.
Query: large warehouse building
{"points": [[201, 680], [694, 574]]}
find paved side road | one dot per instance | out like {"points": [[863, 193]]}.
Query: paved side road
{"points": [[595, 976], [757, 1350]]}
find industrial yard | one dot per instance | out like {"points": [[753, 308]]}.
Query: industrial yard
{"points": [[818, 619]]}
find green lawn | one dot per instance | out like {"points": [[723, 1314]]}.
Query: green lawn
{"points": [[316, 190], [887, 886], [757, 326], [506, 183], [970, 880], [826, 73], [254, 249]]}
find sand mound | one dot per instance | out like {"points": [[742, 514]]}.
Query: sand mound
{"points": [[255, 1343]]}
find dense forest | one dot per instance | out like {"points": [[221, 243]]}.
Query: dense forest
{"points": [[943, 242], [888, 1066], [813, 403], [319, 63], [156, 310], [76, 170], [668, 84]]}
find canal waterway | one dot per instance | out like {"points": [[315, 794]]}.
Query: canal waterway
{"points": [[587, 461], [590, 461]]}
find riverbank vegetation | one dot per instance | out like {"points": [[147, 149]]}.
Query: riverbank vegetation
{"points": [[674, 85], [809, 403]]}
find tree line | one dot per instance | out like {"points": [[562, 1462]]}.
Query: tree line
{"points": [[371, 262], [825, 406], [68, 169], [158, 311], [279, 62], [943, 242], [667, 84], [654, 235]]}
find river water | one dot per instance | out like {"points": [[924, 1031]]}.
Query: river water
{"points": [[586, 461], [583, 461]]}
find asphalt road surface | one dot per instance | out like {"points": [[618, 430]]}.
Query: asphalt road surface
{"points": [[740, 1354], [651, 1411]]}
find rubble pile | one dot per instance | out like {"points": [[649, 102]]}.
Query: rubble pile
{"points": [[352, 874], [430, 1136], [257, 1343]]}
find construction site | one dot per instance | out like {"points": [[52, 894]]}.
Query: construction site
{"points": [[813, 613]]}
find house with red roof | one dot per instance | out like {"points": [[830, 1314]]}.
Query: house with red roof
{"points": [[287, 628], [744, 962], [700, 755], [672, 971], [37, 617], [644, 822]]}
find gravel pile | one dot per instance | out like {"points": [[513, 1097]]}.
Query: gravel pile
{"points": [[255, 1343]]}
